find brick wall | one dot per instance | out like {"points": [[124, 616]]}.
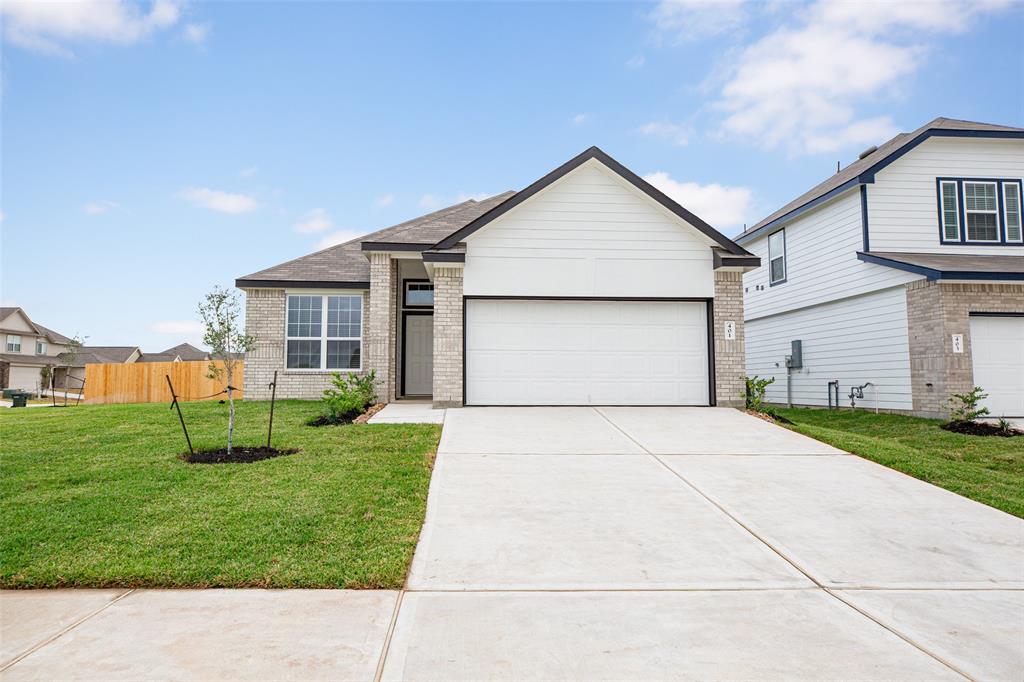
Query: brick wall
{"points": [[447, 336], [730, 356], [936, 311], [265, 319], [380, 341]]}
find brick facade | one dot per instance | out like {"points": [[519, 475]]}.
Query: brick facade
{"points": [[379, 341], [935, 312], [447, 336], [265, 320], [730, 355]]}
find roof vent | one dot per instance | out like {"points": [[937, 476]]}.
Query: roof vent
{"points": [[868, 152]]}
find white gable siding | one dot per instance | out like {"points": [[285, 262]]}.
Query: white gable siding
{"points": [[589, 234], [821, 262], [902, 203], [855, 340]]}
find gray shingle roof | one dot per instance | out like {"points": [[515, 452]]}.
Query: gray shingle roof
{"points": [[158, 357], [956, 262], [186, 351], [347, 262], [860, 165], [89, 355]]}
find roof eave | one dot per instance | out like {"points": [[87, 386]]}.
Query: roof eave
{"points": [[298, 284], [936, 274]]}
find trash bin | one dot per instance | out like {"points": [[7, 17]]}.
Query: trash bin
{"points": [[19, 399]]}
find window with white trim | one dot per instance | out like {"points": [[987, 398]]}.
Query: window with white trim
{"points": [[40, 348], [1011, 211], [981, 213], [13, 343], [317, 341], [777, 257], [950, 210]]}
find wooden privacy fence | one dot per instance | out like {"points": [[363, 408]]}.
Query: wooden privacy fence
{"points": [[143, 382]]}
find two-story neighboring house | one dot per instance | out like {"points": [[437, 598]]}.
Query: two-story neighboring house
{"points": [[905, 270], [28, 348]]}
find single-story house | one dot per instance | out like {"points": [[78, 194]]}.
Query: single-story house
{"points": [[588, 287]]}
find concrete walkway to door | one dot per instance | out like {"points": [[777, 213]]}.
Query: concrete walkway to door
{"points": [[667, 543]]}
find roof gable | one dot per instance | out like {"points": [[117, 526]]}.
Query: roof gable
{"points": [[597, 155], [17, 320]]}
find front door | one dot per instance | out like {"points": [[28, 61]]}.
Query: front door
{"points": [[418, 375]]}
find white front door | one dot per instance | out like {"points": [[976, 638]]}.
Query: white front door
{"points": [[565, 352], [997, 352], [418, 376]]}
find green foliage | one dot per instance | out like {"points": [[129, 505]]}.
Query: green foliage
{"points": [[754, 394], [350, 396], [963, 407]]}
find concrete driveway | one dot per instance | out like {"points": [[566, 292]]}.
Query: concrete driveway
{"points": [[667, 543]]}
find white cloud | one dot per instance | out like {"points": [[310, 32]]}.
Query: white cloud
{"points": [[578, 119], [384, 200], [248, 171], [314, 222], [49, 26], [693, 19], [636, 61], [799, 86], [677, 134], [177, 327], [215, 200], [98, 207], [429, 201], [196, 33], [479, 196], [721, 206], [339, 237], [2, 216]]}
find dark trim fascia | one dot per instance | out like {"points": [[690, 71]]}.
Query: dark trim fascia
{"points": [[799, 210], [572, 164], [405, 315], [432, 257], [933, 274], [868, 175], [997, 314], [393, 246], [297, 284], [721, 260], [709, 312], [864, 217]]}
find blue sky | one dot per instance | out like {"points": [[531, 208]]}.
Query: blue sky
{"points": [[150, 151]]}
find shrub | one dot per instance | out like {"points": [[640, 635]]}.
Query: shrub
{"points": [[349, 397], [963, 407], [754, 395]]}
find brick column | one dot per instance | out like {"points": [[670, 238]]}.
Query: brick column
{"points": [[730, 356], [380, 338], [264, 319], [447, 336]]}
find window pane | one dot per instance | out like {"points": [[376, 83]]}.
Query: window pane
{"points": [[304, 354], [1011, 201], [950, 215], [343, 354], [304, 316], [979, 196], [778, 270], [344, 316], [982, 226], [776, 244], [419, 293]]}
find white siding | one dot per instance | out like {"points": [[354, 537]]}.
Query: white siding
{"points": [[902, 204], [855, 340], [821, 262], [589, 234]]}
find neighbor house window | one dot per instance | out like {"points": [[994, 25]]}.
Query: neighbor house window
{"points": [[1011, 211], [40, 348], [419, 294], [777, 257], [981, 211], [13, 343], [315, 340], [950, 210]]}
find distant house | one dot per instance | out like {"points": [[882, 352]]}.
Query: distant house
{"points": [[186, 351], [28, 349]]}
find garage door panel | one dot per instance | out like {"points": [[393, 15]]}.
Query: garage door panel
{"points": [[997, 354], [534, 352]]}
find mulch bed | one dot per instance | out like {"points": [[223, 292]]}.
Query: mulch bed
{"points": [[768, 417], [350, 418], [239, 455], [365, 416], [980, 429]]}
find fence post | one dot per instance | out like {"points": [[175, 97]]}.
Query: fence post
{"points": [[174, 404]]}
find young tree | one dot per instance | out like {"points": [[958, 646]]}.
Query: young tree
{"points": [[219, 312]]}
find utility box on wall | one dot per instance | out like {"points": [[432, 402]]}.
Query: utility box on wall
{"points": [[796, 354]]}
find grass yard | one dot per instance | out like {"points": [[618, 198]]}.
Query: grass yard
{"points": [[95, 496], [987, 469]]}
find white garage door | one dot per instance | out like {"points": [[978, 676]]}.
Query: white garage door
{"points": [[997, 352], [530, 352]]}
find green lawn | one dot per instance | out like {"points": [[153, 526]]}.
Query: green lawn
{"points": [[987, 469], [96, 496]]}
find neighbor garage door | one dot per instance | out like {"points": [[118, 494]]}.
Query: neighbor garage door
{"points": [[997, 352], [536, 352]]}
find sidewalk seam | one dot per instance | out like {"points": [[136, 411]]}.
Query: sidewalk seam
{"points": [[387, 638]]}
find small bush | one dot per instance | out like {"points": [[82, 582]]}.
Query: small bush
{"points": [[348, 399], [963, 407], [754, 395]]}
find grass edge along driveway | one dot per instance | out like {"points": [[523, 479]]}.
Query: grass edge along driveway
{"points": [[95, 496], [987, 469]]}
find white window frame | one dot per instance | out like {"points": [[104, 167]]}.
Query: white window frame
{"points": [[13, 343], [323, 338], [968, 212], [785, 265], [1020, 213], [41, 347], [956, 210]]}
